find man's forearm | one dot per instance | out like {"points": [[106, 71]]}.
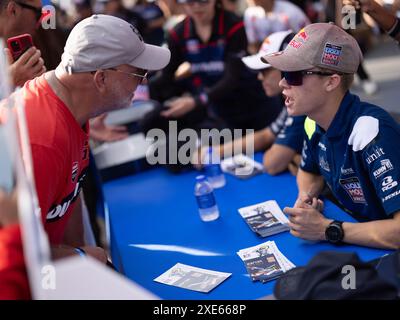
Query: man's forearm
{"points": [[62, 251], [74, 233], [382, 16], [309, 184], [378, 234]]}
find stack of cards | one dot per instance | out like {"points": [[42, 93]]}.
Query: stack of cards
{"points": [[265, 262], [192, 278], [265, 218], [241, 166]]}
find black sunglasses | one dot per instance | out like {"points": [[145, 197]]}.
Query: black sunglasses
{"points": [[295, 78], [38, 11]]}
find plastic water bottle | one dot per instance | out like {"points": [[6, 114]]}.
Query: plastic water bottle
{"points": [[204, 193], [213, 170]]}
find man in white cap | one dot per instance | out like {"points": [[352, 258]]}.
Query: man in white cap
{"points": [[350, 145], [104, 61]]}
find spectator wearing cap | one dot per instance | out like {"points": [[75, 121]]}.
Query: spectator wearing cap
{"points": [[269, 16], [16, 18], [284, 137], [97, 74], [350, 145]]}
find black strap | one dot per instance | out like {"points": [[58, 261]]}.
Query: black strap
{"points": [[395, 30]]}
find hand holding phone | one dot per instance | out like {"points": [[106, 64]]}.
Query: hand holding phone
{"points": [[19, 44], [24, 59]]}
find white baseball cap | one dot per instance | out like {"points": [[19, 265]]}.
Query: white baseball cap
{"points": [[103, 42], [271, 44]]}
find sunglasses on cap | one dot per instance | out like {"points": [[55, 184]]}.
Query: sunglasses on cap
{"points": [[36, 10], [295, 78]]}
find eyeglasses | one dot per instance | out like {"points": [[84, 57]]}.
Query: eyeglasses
{"points": [[295, 78], [38, 11], [135, 75]]}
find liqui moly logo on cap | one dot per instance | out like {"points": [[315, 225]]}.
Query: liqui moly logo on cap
{"points": [[331, 54]]}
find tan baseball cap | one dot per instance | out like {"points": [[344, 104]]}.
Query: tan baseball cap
{"points": [[323, 45], [104, 41]]}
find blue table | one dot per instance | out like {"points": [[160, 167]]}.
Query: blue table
{"points": [[158, 208]]}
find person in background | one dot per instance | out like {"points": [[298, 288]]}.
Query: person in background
{"points": [[154, 20], [264, 17], [16, 18], [284, 138], [219, 87], [362, 33], [233, 6], [83, 9], [385, 19], [116, 8]]}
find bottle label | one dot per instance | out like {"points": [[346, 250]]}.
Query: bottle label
{"points": [[206, 201], [213, 170]]}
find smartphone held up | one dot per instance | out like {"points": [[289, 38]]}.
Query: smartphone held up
{"points": [[19, 44]]}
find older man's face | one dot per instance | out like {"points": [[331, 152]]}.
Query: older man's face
{"points": [[25, 19], [122, 82]]}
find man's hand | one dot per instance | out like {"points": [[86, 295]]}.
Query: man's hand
{"points": [[8, 208], [179, 107], [307, 222], [101, 132], [365, 5], [63, 251], [97, 253], [303, 201], [29, 66]]}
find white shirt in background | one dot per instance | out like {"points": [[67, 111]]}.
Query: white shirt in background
{"points": [[284, 16]]}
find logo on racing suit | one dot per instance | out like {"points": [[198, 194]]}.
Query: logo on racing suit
{"points": [[353, 188], [324, 164], [388, 183], [322, 146], [385, 167], [377, 153], [346, 171]]}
